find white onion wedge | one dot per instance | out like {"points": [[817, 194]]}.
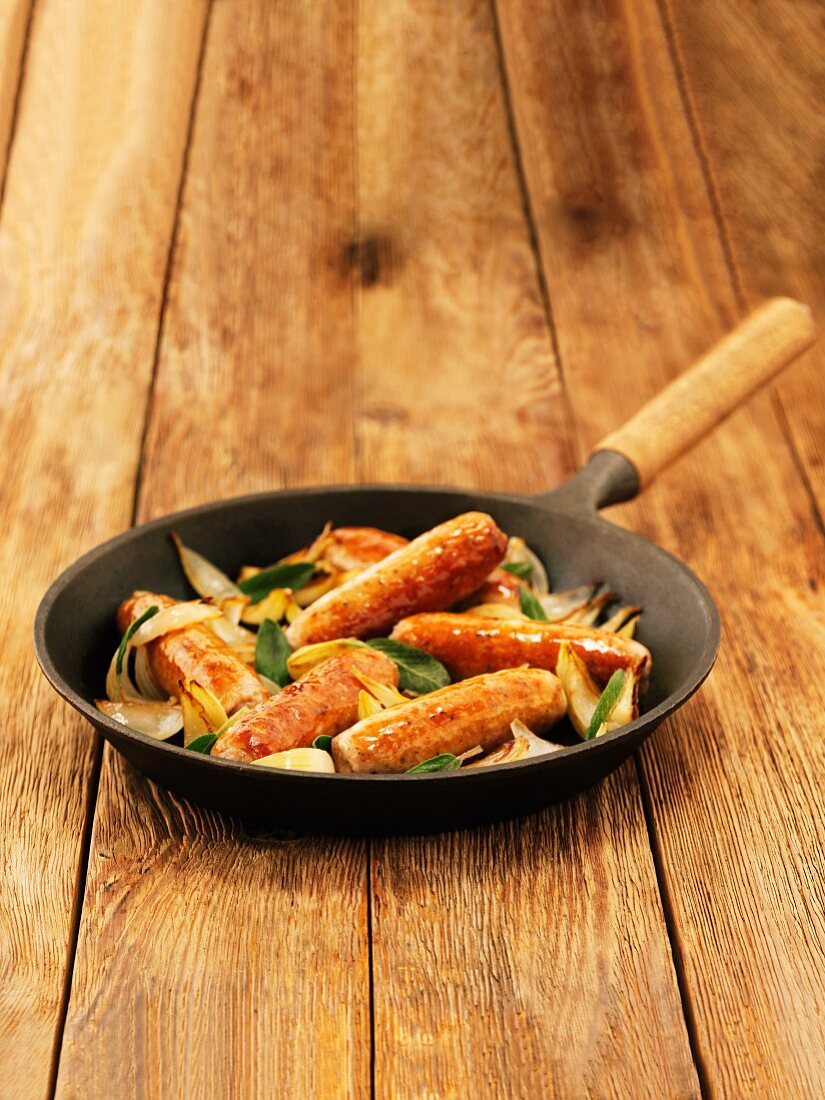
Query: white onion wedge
{"points": [[367, 705], [558, 606], [158, 720], [298, 760], [304, 660], [176, 617], [580, 689], [202, 711], [207, 580], [524, 744], [387, 696], [147, 685], [519, 552]]}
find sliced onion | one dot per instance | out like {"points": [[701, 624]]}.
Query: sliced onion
{"points": [[207, 580], [121, 687], [304, 660], [233, 607], [580, 689], [558, 606], [144, 677], [175, 617], [159, 720], [235, 636], [367, 705], [387, 696], [519, 551], [298, 760], [524, 744], [203, 711]]}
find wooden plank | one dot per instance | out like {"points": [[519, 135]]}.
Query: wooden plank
{"points": [[213, 961], [636, 269], [14, 21], [529, 959], [98, 147], [754, 83]]}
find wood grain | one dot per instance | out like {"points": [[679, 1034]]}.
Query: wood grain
{"points": [[530, 959], [97, 148], [233, 963], [754, 84], [636, 269], [723, 379], [14, 19]]}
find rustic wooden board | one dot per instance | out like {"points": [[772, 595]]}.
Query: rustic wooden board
{"points": [[530, 958], [230, 962], [97, 147], [14, 21], [639, 284], [755, 82]]}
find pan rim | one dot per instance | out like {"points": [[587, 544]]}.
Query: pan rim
{"points": [[701, 667]]}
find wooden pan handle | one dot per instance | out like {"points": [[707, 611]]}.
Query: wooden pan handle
{"points": [[690, 407]]}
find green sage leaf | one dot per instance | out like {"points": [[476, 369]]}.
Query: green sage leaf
{"points": [[417, 670], [531, 606], [606, 703], [444, 762], [289, 575], [271, 653], [521, 569], [203, 744], [124, 641]]}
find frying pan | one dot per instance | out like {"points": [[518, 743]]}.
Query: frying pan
{"points": [[75, 631]]}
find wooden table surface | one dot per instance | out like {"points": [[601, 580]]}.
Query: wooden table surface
{"points": [[257, 244]]}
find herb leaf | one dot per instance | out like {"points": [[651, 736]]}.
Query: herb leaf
{"points": [[323, 741], [444, 762], [521, 569], [417, 670], [531, 606], [271, 653], [203, 744], [124, 641], [606, 703], [289, 575]]}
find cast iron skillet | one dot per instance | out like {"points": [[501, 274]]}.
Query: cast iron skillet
{"points": [[75, 632]]}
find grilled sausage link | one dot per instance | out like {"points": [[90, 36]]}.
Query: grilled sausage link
{"points": [[428, 574], [453, 719], [359, 547], [325, 701], [469, 645], [194, 653]]}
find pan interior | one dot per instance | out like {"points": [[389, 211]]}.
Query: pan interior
{"points": [[76, 631]]}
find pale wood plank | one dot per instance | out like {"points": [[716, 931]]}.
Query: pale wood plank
{"points": [[530, 959], [84, 237], [14, 19], [755, 83], [639, 285], [212, 961]]}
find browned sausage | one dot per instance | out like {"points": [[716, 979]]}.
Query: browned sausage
{"points": [[430, 573], [453, 719], [194, 653], [469, 645], [325, 701], [358, 547]]}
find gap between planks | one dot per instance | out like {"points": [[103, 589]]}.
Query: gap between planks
{"points": [[97, 764], [779, 410]]}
